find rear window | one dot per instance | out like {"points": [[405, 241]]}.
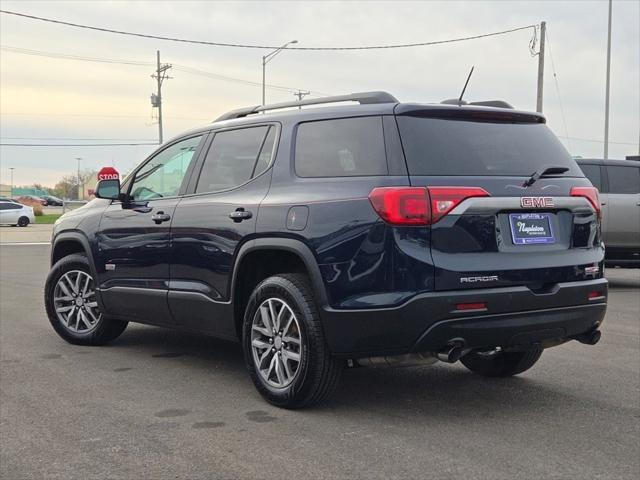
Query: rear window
{"points": [[344, 147], [592, 172], [435, 146]]}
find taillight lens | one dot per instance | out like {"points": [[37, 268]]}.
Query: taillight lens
{"points": [[419, 205], [401, 205], [445, 199], [591, 194]]}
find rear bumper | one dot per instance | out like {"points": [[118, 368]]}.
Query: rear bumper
{"points": [[515, 316]]}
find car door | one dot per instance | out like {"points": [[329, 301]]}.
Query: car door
{"points": [[133, 242], [9, 212], [4, 213], [623, 223], [211, 223]]}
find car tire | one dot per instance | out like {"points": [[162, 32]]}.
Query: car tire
{"points": [[501, 364], [284, 381], [23, 221], [72, 307]]}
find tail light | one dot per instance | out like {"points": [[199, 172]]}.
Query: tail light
{"points": [[591, 194], [445, 199], [401, 205], [419, 205]]}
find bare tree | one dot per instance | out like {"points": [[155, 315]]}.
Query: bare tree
{"points": [[67, 187]]}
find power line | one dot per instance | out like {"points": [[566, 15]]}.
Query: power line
{"points": [[74, 144], [81, 139], [65, 56], [28, 114], [271, 47], [182, 68]]}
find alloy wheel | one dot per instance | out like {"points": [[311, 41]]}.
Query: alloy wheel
{"points": [[75, 303], [276, 343]]}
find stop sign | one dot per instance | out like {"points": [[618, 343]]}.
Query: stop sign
{"points": [[108, 173]]}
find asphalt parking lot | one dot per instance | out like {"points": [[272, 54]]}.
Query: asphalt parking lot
{"points": [[158, 404]]}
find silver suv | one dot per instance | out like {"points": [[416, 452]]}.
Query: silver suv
{"points": [[619, 185]]}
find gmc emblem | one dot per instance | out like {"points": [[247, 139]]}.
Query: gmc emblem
{"points": [[536, 202]]}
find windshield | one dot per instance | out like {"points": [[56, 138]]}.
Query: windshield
{"points": [[435, 146]]}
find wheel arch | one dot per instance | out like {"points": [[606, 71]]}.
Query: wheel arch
{"points": [[68, 243], [273, 255]]}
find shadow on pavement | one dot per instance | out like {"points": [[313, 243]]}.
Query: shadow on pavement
{"points": [[438, 391]]}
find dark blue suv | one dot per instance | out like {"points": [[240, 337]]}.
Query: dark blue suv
{"points": [[372, 233]]}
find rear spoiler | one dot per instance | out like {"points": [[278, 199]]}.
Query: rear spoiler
{"points": [[478, 111]]}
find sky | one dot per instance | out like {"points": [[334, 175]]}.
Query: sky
{"points": [[44, 99]]}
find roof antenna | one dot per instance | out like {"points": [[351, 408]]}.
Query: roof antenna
{"points": [[465, 86]]}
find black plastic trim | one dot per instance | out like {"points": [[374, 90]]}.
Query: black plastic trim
{"points": [[289, 245], [395, 330]]}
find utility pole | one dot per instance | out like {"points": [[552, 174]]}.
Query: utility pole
{"points": [[301, 94], [78, 159], [543, 31], [11, 191], [156, 98], [606, 101]]}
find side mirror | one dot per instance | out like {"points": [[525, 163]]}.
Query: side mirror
{"points": [[108, 189]]}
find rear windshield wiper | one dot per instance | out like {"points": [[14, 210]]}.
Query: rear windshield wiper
{"points": [[543, 172]]}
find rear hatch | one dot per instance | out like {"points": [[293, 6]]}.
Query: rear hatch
{"points": [[493, 223]]}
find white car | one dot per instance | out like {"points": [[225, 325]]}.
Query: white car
{"points": [[12, 213]]}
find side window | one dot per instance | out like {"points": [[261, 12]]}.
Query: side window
{"points": [[236, 156], [9, 206], [592, 172], [344, 147], [623, 179], [162, 175]]}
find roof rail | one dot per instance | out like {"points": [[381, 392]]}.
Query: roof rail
{"points": [[486, 103], [361, 97]]}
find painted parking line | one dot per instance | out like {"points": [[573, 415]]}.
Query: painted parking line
{"points": [[24, 243]]}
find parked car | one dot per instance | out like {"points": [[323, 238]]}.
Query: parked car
{"points": [[375, 233], [619, 184], [32, 200], [53, 201], [7, 199], [12, 213]]}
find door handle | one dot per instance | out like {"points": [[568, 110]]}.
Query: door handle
{"points": [[142, 209], [240, 214], [160, 217]]}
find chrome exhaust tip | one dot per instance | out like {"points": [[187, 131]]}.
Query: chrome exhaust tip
{"points": [[452, 352]]}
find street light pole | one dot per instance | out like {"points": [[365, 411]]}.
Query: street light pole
{"points": [[606, 100], [11, 191], [78, 159], [266, 59], [543, 32]]}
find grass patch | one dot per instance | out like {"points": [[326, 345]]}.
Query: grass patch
{"points": [[48, 218]]}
